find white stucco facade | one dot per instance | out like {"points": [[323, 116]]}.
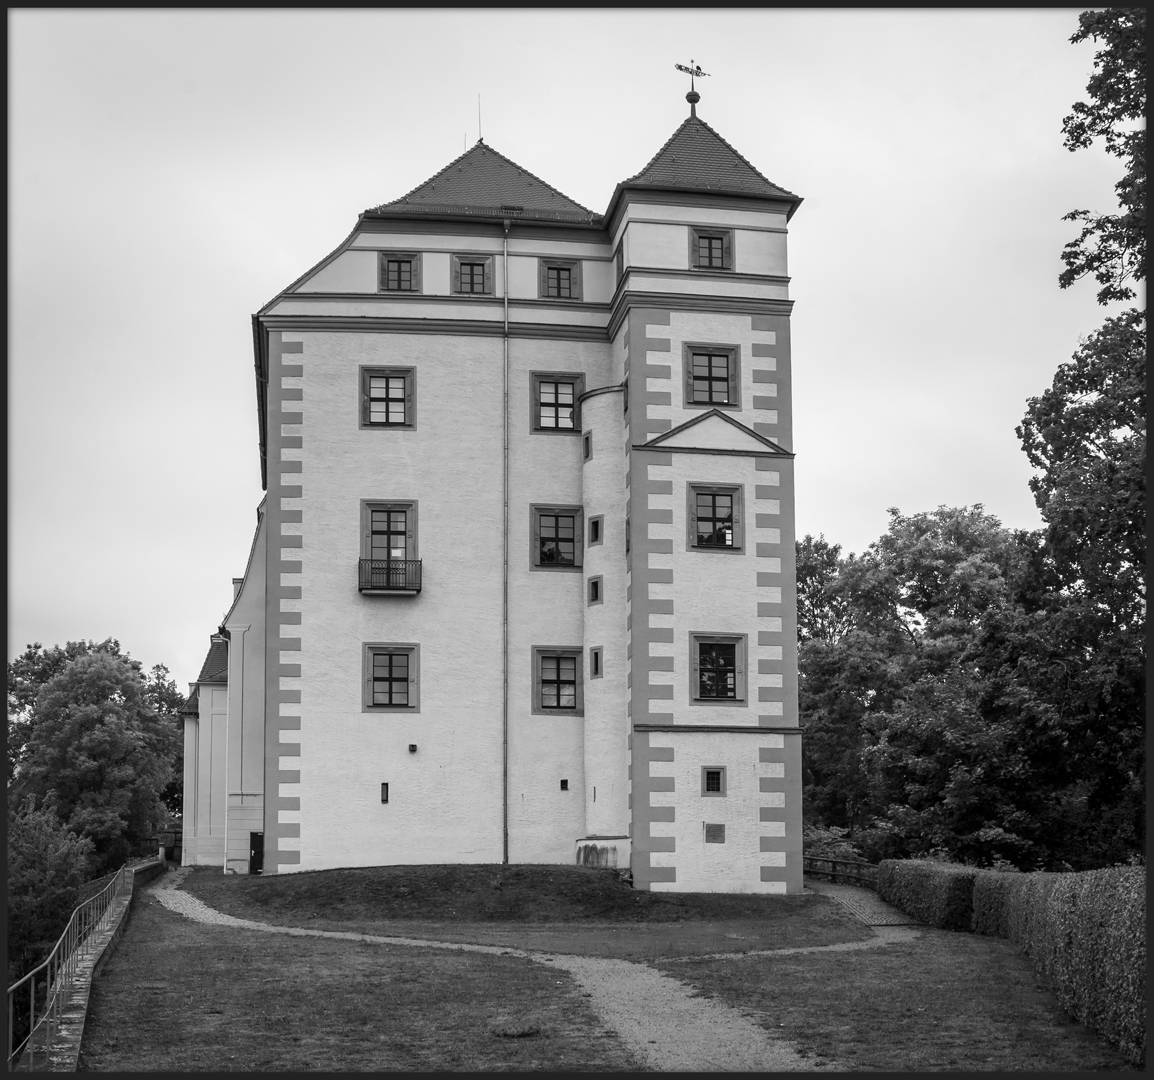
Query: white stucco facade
{"points": [[492, 694]]}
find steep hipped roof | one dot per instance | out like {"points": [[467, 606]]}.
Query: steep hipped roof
{"points": [[696, 158], [215, 666], [485, 183], [192, 706]]}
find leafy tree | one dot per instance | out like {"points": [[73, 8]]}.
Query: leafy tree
{"points": [[47, 863], [821, 612], [99, 755], [1112, 247], [27, 676], [167, 700]]}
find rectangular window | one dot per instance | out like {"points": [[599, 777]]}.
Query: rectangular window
{"points": [[587, 445], [596, 662], [595, 524], [714, 518], [618, 266], [556, 537], [595, 596], [391, 677], [711, 249], [557, 681], [560, 279], [711, 376], [473, 275], [400, 271], [384, 792], [387, 397], [554, 402], [717, 675], [714, 834], [389, 562], [713, 780]]}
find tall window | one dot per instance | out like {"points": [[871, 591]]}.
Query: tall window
{"points": [[714, 520], [718, 669], [557, 404], [389, 534], [558, 539], [711, 377], [390, 679], [558, 682]]}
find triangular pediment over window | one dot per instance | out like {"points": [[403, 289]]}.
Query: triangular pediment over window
{"points": [[715, 431]]}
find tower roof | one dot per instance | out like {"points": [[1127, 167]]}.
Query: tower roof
{"points": [[484, 183], [215, 667], [696, 157]]}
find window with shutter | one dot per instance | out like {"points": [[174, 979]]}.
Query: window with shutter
{"points": [[473, 275], [388, 397], [712, 376], [391, 677], [711, 249], [717, 669], [400, 271], [560, 280]]}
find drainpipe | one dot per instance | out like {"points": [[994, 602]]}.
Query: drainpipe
{"points": [[505, 563]]}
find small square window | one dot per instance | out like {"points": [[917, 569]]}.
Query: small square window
{"points": [[560, 279], [713, 780], [714, 834], [711, 249], [388, 397], [391, 677], [714, 518], [717, 675], [555, 543], [557, 681], [596, 662], [555, 402], [400, 271], [595, 526], [473, 275], [595, 596]]}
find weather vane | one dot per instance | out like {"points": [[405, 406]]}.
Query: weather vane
{"points": [[694, 72]]}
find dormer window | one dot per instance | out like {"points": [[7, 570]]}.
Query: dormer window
{"points": [[711, 249], [400, 271]]}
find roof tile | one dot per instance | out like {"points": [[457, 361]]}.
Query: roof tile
{"points": [[215, 666]]}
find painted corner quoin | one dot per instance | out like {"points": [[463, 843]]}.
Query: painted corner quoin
{"points": [[285, 473]]}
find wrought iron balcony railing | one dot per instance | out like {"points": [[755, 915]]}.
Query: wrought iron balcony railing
{"points": [[396, 576]]}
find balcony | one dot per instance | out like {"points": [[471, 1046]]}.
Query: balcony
{"points": [[390, 577]]}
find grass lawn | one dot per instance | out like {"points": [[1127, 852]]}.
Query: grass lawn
{"points": [[945, 1001], [568, 909], [181, 996]]}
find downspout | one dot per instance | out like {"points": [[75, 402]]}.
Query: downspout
{"points": [[505, 560]]}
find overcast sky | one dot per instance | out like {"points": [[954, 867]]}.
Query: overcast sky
{"points": [[169, 172]]}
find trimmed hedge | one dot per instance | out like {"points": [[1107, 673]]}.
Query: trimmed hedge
{"points": [[935, 893], [1085, 933]]}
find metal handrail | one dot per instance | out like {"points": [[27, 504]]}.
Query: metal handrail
{"points": [[390, 575], [60, 967]]}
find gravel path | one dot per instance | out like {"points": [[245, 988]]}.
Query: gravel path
{"points": [[656, 1016]]}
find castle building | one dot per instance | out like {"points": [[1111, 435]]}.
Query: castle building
{"points": [[522, 586]]}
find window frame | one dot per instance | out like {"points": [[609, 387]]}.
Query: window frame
{"points": [[587, 446], [692, 489], [383, 270], [618, 265], [705, 793], [697, 638], [733, 389], [594, 584], [597, 662], [576, 293], [412, 649], [410, 506], [573, 652], [597, 520], [367, 371], [455, 272], [535, 512], [536, 378], [699, 232]]}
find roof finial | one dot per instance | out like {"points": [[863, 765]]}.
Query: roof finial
{"points": [[693, 71]]}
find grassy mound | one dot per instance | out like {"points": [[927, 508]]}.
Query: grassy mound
{"points": [[468, 893]]}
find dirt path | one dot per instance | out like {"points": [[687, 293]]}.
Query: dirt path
{"points": [[656, 1016]]}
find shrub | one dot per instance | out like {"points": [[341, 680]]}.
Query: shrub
{"points": [[995, 894], [1086, 933], [936, 893]]}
